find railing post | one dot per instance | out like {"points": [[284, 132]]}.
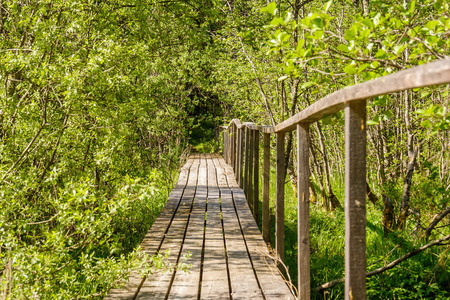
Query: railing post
{"points": [[225, 154], [233, 147], [241, 157], [266, 186], [246, 154], [224, 143], [230, 144], [279, 206], [250, 168], [304, 284], [256, 176], [355, 200]]}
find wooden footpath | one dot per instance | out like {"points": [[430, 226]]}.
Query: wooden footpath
{"points": [[207, 215]]}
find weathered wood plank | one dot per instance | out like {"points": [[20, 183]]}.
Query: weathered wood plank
{"points": [[304, 279], [266, 187], [215, 277], [244, 284], [279, 206], [186, 284], [355, 200]]}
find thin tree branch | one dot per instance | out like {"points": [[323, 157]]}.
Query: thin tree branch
{"points": [[388, 266]]}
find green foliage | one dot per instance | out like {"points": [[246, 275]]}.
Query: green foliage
{"points": [[95, 109]]}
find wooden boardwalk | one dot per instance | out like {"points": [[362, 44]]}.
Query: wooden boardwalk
{"points": [[207, 216]]}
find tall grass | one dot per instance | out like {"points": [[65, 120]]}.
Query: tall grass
{"points": [[424, 276]]}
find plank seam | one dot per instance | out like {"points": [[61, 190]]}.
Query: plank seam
{"points": [[204, 237]]}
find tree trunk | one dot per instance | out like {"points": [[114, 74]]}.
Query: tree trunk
{"points": [[388, 215]]}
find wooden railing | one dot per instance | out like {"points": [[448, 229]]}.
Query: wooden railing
{"points": [[241, 151]]}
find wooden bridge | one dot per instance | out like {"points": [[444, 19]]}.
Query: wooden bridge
{"points": [[208, 214]]}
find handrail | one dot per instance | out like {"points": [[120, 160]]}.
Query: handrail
{"points": [[241, 151]]}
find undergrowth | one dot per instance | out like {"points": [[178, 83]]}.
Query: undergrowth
{"points": [[423, 276]]}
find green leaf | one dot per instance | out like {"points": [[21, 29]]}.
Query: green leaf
{"points": [[372, 122], [350, 34], [343, 48], [381, 54], [308, 84], [387, 114], [362, 67], [369, 24], [412, 5], [328, 5], [270, 8], [318, 34], [318, 22], [375, 64], [399, 49], [350, 69], [277, 21], [426, 124], [437, 5], [377, 20]]}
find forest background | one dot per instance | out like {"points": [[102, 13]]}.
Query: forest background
{"points": [[101, 101]]}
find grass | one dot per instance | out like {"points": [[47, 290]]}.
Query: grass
{"points": [[424, 276]]}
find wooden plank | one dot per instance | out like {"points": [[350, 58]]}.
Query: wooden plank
{"points": [[268, 275], [303, 239], [154, 237], [434, 73], [256, 176], [214, 283], [244, 284], [279, 205], [355, 200], [266, 187], [186, 284], [157, 285]]}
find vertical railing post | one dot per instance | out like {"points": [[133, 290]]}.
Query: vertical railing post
{"points": [[250, 168], [355, 200], [233, 147], [224, 135], [225, 155], [304, 284], [229, 144], [256, 175], [238, 147], [246, 155], [279, 206], [241, 157], [266, 187]]}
